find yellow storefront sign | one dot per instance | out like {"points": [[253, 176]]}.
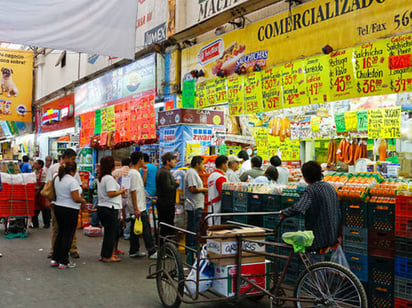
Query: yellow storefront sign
{"points": [[16, 85]]}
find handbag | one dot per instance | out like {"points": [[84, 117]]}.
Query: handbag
{"points": [[138, 226], [48, 190]]}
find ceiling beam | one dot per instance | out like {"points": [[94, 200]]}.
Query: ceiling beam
{"points": [[222, 18]]}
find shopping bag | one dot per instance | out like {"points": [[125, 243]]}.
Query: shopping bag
{"points": [[339, 257], [206, 271], [138, 226], [48, 191]]}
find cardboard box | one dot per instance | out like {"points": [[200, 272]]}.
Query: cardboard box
{"points": [[227, 287], [227, 246], [190, 116]]}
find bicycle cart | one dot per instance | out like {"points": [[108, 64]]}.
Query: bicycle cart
{"points": [[323, 284]]}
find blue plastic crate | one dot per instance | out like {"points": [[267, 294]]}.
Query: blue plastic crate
{"points": [[355, 240], [271, 221], [358, 265], [403, 267], [239, 198], [292, 224]]}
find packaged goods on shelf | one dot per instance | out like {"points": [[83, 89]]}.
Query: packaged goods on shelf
{"points": [[257, 188]]}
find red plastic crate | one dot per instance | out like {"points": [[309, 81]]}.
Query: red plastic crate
{"points": [[13, 208], [402, 303], [403, 226], [403, 206], [381, 243], [17, 192]]}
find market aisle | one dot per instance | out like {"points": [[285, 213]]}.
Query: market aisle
{"points": [[28, 281]]}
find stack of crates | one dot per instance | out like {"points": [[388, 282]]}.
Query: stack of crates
{"points": [[355, 237], [381, 225], [403, 252], [255, 204]]}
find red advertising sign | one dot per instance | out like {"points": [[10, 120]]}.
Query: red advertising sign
{"points": [[58, 114]]}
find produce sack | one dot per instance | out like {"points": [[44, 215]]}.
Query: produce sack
{"points": [[206, 271]]}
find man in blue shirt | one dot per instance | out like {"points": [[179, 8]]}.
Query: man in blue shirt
{"points": [[149, 176], [26, 167]]}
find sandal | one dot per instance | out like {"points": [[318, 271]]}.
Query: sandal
{"points": [[119, 252], [112, 259]]}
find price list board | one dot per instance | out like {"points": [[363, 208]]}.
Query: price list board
{"points": [[400, 62], [294, 85]]}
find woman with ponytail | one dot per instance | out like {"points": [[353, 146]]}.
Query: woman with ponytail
{"points": [[108, 206], [66, 209]]}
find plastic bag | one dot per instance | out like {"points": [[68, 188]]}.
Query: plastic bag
{"points": [[138, 226], [206, 271], [299, 240], [339, 257]]}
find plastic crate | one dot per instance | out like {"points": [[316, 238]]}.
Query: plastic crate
{"points": [[239, 198], [403, 247], [403, 267], [403, 226], [271, 203], [355, 214], [404, 205], [403, 288], [355, 240], [292, 224], [241, 219], [382, 243], [17, 208], [239, 209], [402, 303], [17, 192], [287, 201], [381, 216], [380, 297], [381, 271], [227, 201], [254, 202], [358, 265], [271, 221]]}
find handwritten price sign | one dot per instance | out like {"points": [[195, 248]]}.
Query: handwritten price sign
{"points": [[253, 93], [371, 69], [375, 121], [400, 63], [392, 122], [342, 76], [200, 101], [362, 120], [317, 79], [294, 84], [221, 91], [262, 142], [271, 89], [351, 122]]}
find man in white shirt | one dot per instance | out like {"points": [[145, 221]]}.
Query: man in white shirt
{"points": [[283, 171], [137, 206], [246, 164], [214, 185], [232, 174], [69, 155], [194, 197]]}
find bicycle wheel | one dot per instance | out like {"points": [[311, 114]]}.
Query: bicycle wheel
{"points": [[330, 285], [170, 278]]}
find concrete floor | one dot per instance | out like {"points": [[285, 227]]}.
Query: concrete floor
{"points": [[27, 280]]}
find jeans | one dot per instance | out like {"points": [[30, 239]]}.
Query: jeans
{"points": [[67, 222], [110, 222], [147, 236], [95, 215], [46, 214], [193, 222], [55, 230]]}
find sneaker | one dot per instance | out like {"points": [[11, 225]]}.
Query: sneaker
{"points": [[153, 256], [68, 265], [54, 263], [137, 254], [74, 255]]}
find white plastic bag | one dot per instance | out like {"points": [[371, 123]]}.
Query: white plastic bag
{"points": [[339, 257], [206, 271]]}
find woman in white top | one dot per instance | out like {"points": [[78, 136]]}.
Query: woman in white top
{"points": [[108, 206], [270, 176], [66, 209]]}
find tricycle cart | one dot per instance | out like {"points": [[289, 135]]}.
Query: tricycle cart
{"points": [[323, 284]]}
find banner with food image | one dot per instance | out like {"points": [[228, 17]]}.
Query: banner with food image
{"points": [[299, 33], [16, 79]]}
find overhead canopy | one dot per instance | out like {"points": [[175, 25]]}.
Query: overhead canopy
{"points": [[104, 27]]}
